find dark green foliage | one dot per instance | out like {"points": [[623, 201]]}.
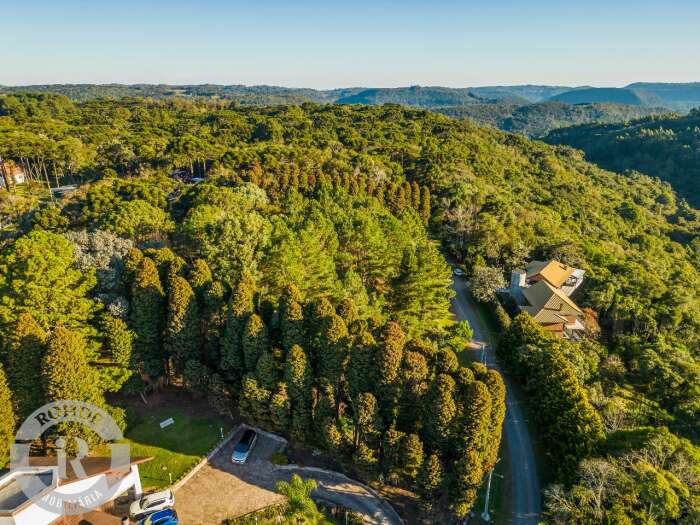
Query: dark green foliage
{"points": [[7, 419], [266, 370], [24, 359], [147, 319], [439, 411], [291, 319], [182, 339], [254, 341], [536, 120], [298, 376], [571, 426], [240, 308], [662, 146], [430, 481]]}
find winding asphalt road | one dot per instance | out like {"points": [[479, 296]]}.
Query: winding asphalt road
{"points": [[525, 485]]}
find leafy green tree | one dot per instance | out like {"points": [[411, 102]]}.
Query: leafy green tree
{"points": [[485, 281], [425, 204], [65, 370], [38, 275], [138, 220], [24, 359], [291, 319], [332, 355], [389, 358], [300, 507], [254, 401], [239, 310], [266, 370]]}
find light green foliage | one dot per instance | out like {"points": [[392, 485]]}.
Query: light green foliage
{"points": [[300, 507], [66, 371], [38, 276], [229, 231], [138, 220], [484, 282], [116, 365], [421, 295]]}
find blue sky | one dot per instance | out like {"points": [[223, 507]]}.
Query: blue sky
{"points": [[362, 43]]}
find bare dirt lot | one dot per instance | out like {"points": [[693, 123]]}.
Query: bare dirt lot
{"points": [[222, 489]]}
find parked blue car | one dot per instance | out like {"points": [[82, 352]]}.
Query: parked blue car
{"points": [[162, 517]]}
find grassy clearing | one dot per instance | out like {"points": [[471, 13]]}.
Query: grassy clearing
{"points": [[176, 448]]}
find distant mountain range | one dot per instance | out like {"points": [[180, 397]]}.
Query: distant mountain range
{"points": [[680, 97], [533, 110]]}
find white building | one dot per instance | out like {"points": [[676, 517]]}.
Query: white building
{"points": [[37, 495]]}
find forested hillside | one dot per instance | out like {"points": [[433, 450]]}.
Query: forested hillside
{"points": [[303, 263], [667, 147], [536, 120], [634, 97]]}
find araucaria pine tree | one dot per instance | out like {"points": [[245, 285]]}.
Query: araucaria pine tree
{"points": [[298, 376], [254, 341], [147, 313], [182, 335], [239, 310], [27, 349], [7, 419]]}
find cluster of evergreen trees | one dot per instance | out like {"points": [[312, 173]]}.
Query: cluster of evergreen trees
{"points": [[318, 310]]}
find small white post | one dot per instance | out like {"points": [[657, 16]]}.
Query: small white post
{"points": [[221, 431], [170, 475]]}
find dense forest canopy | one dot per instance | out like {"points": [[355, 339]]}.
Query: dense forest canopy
{"points": [[667, 147], [536, 120], [347, 191]]}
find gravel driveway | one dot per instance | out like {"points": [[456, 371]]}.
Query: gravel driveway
{"points": [[222, 490]]}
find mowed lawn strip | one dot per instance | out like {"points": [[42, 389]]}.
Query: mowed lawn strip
{"points": [[176, 448]]}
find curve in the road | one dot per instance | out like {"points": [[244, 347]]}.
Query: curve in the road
{"points": [[341, 490], [526, 504]]}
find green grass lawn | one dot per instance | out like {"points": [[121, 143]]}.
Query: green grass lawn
{"points": [[176, 448]]}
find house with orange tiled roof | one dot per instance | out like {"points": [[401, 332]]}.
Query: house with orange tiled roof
{"points": [[543, 290]]}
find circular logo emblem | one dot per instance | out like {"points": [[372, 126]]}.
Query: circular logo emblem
{"points": [[72, 482]]}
